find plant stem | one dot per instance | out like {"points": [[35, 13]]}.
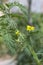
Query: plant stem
{"points": [[34, 55]]}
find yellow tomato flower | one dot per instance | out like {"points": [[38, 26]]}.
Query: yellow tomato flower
{"points": [[17, 32], [30, 28]]}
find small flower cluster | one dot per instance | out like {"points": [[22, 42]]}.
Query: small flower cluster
{"points": [[30, 28], [17, 32]]}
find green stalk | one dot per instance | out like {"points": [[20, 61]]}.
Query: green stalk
{"points": [[34, 55]]}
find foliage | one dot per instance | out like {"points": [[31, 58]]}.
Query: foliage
{"points": [[15, 37]]}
